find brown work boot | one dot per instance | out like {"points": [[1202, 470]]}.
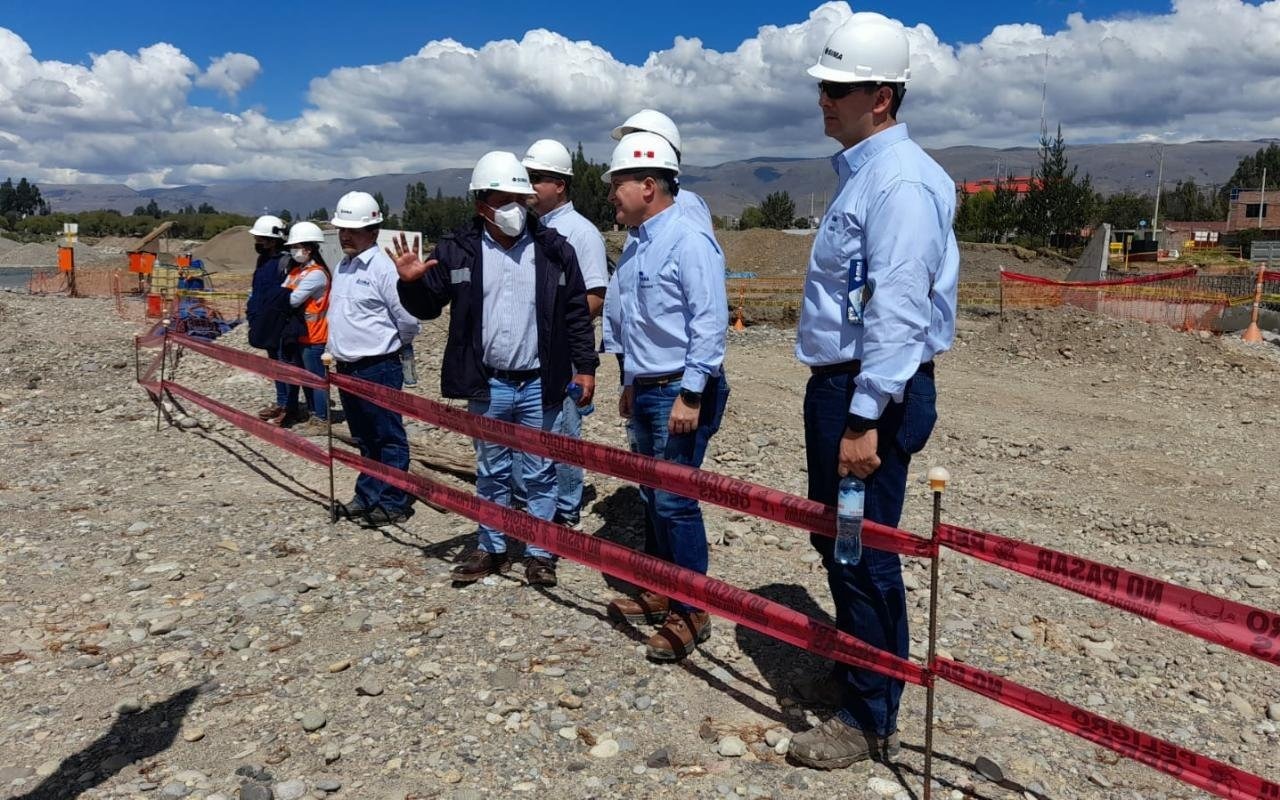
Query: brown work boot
{"points": [[819, 690], [645, 607], [679, 635], [478, 564], [539, 571], [267, 412], [835, 745]]}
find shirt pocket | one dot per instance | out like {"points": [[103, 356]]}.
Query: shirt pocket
{"points": [[660, 290]]}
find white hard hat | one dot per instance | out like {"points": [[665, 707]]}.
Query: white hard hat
{"points": [[867, 48], [500, 171], [357, 210], [548, 155], [304, 232], [646, 119], [268, 225], [643, 150]]}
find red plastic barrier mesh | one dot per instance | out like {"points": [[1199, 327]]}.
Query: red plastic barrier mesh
{"points": [[760, 501], [715, 596], [1131, 280], [250, 362], [1213, 776], [280, 437], [1226, 622]]}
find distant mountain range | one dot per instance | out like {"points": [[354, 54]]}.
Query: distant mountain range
{"points": [[727, 188]]}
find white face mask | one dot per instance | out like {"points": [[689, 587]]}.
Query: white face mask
{"points": [[300, 254], [510, 218]]}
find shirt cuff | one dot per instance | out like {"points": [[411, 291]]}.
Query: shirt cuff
{"points": [[868, 404], [694, 380]]}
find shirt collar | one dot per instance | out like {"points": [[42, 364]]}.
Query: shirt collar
{"points": [[555, 213], [364, 257], [488, 239], [848, 162], [653, 226]]}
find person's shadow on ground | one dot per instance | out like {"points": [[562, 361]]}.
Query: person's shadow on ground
{"points": [[623, 513], [131, 738]]}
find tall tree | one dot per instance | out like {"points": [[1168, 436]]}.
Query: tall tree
{"points": [[1248, 174], [778, 210], [1057, 202], [590, 194]]}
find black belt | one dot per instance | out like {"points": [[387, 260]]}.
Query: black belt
{"points": [[515, 375], [658, 380], [855, 366], [367, 361]]}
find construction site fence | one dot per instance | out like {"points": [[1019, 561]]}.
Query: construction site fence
{"points": [[1184, 299], [1246, 629]]}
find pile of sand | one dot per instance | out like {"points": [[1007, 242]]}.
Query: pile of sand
{"points": [[8, 244], [229, 251]]}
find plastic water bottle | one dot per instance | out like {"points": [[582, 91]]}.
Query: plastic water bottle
{"points": [[406, 363], [575, 391], [853, 493]]}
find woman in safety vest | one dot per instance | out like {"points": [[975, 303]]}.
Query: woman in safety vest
{"points": [[308, 283]]}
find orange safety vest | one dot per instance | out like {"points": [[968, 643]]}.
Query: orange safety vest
{"points": [[314, 310]]}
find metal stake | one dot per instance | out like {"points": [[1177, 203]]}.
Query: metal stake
{"points": [[938, 477], [164, 358], [327, 359]]}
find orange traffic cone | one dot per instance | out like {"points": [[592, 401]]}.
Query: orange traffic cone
{"points": [[738, 324], [1253, 333]]}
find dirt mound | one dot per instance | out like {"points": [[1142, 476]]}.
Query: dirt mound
{"points": [[229, 251], [8, 244]]}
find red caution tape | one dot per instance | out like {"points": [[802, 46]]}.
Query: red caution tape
{"points": [[250, 362], [1136, 279], [750, 498], [1213, 776], [1226, 622], [284, 439], [720, 598]]}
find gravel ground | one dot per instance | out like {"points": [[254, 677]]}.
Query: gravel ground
{"points": [[180, 620]]}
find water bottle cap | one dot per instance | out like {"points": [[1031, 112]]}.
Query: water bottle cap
{"points": [[938, 478]]}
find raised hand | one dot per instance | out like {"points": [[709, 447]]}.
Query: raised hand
{"points": [[409, 265]]}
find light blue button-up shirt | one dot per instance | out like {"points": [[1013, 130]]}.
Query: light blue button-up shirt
{"points": [[509, 322], [890, 223], [665, 310], [365, 315], [696, 209], [587, 243]]}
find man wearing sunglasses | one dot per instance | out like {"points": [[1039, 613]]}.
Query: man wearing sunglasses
{"points": [[879, 305]]}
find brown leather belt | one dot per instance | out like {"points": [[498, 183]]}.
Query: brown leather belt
{"points": [[514, 375], [658, 380]]}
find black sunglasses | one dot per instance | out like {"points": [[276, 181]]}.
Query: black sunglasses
{"points": [[835, 91]]}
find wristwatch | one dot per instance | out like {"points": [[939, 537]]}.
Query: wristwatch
{"points": [[691, 398], [860, 424]]}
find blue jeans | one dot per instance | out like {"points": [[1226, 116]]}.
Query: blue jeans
{"points": [[519, 402], [283, 353], [674, 530], [379, 432], [306, 356], [318, 398], [869, 597], [568, 477]]}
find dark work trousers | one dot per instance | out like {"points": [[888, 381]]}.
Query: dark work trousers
{"points": [[869, 597]]}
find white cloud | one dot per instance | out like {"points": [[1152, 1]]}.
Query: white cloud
{"points": [[230, 74], [1205, 69]]}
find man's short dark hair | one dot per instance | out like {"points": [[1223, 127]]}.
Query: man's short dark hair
{"points": [[899, 90], [665, 178]]}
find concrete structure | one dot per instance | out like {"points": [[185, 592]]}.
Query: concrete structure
{"points": [[1249, 209]]}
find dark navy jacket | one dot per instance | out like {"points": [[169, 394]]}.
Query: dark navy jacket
{"points": [[566, 341], [271, 318]]}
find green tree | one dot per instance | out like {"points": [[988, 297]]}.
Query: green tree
{"points": [[777, 211], [286, 216], [751, 217], [1187, 201], [205, 208], [1005, 213], [589, 193], [1057, 201], [382, 204], [20, 201], [1124, 210], [1248, 174], [321, 213], [153, 209]]}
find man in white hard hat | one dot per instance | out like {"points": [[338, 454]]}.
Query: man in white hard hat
{"points": [[551, 175], [519, 334], [879, 305], [666, 314], [648, 119], [367, 330], [267, 313]]}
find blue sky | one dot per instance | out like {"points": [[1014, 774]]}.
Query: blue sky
{"points": [[303, 44], [183, 93]]}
